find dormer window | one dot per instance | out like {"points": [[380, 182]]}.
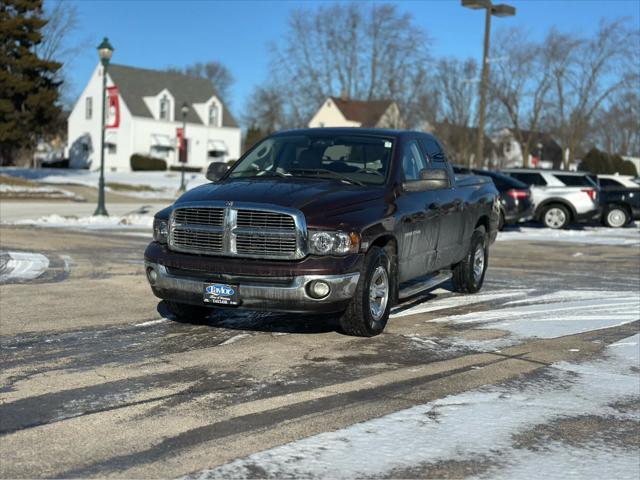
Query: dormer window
{"points": [[165, 105], [214, 114]]}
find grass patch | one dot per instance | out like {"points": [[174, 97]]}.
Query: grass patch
{"points": [[125, 187], [16, 181]]}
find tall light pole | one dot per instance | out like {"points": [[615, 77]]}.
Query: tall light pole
{"points": [[501, 10], [105, 50], [184, 110]]}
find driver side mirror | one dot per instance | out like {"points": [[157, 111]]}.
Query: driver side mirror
{"points": [[216, 170], [430, 179]]}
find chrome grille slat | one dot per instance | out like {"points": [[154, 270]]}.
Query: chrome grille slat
{"points": [[236, 231]]}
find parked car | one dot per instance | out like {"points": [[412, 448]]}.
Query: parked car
{"points": [[515, 196], [620, 200], [560, 197], [324, 220]]}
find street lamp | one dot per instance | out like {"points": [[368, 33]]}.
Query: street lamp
{"points": [[184, 110], [501, 10], [105, 50]]}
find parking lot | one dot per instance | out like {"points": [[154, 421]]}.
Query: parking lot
{"points": [[98, 380]]}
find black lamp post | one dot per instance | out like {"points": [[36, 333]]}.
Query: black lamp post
{"points": [[105, 50], [501, 10], [184, 110]]}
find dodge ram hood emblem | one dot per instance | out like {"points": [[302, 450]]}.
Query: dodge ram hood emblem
{"points": [[228, 204]]}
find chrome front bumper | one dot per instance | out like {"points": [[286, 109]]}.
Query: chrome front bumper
{"points": [[292, 297]]}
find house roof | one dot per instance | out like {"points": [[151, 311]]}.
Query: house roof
{"points": [[366, 112], [136, 83]]}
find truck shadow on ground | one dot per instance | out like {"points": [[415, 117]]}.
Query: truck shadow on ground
{"points": [[256, 321]]}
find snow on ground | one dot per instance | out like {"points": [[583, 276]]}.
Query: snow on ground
{"points": [[497, 427], [22, 266], [629, 236], [135, 221], [165, 184], [526, 314], [19, 191]]}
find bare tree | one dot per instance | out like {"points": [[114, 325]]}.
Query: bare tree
{"points": [[585, 74], [362, 51], [265, 110], [617, 127], [62, 21], [520, 82], [216, 72], [455, 83]]}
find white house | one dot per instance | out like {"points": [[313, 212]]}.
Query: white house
{"points": [[341, 112], [150, 104]]}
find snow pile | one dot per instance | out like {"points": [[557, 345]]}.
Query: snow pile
{"points": [[21, 266], [21, 191], [495, 425], [629, 236], [553, 315], [92, 222]]}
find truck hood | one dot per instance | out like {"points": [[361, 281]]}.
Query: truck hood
{"points": [[311, 196]]}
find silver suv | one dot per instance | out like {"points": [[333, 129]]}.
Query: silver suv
{"points": [[560, 197]]}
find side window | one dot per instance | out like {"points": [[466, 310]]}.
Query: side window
{"points": [[413, 161], [530, 178], [608, 182], [575, 180], [434, 150]]}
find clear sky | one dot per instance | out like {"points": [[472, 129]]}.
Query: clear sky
{"points": [[156, 34]]}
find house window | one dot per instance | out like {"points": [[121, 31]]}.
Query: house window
{"points": [[213, 115], [165, 105], [112, 148], [88, 108]]}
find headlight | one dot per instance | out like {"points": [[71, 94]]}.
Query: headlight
{"points": [[333, 243], [160, 230]]}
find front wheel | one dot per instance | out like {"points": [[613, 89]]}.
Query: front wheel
{"points": [[368, 312], [615, 217], [468, 275]]}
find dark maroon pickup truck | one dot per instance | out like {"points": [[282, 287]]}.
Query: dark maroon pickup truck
{"points": [[325, 220]]}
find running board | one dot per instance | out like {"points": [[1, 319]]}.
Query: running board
{"points": [[418, 286]]}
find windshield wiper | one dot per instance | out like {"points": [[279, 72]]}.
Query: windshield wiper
{"points": [[323, 171]]}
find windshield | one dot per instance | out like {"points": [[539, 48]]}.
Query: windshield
{"points": [[356, 159]]}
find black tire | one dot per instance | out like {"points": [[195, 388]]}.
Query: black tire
{"points": [[501, 221], [555, 216], [615, 216], [184, 312], [358, 319], [465, 277]]}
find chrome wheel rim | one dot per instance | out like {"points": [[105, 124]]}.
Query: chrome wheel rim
{"points": [[378, 293], [478, 263], [555, 218], [616, 218]]}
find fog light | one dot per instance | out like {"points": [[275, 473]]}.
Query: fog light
{"points": [[319, 289], [152, 275]]}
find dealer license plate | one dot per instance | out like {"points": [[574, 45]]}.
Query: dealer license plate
{"points": [[221, 294]]}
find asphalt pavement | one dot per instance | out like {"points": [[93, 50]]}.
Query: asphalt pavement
{"points": [[97, 379]]}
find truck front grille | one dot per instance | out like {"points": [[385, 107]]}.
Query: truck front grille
{"points": [[243, 232]]}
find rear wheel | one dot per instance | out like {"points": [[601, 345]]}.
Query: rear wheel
{"points": [[368, 312], [184, 312], [468, 275], [555, 216], [615, 216]]}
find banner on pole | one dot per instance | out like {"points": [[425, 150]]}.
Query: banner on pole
{"points": [[113, 108]]}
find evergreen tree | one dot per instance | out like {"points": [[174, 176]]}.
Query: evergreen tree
{"points": [[28, 89]]}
